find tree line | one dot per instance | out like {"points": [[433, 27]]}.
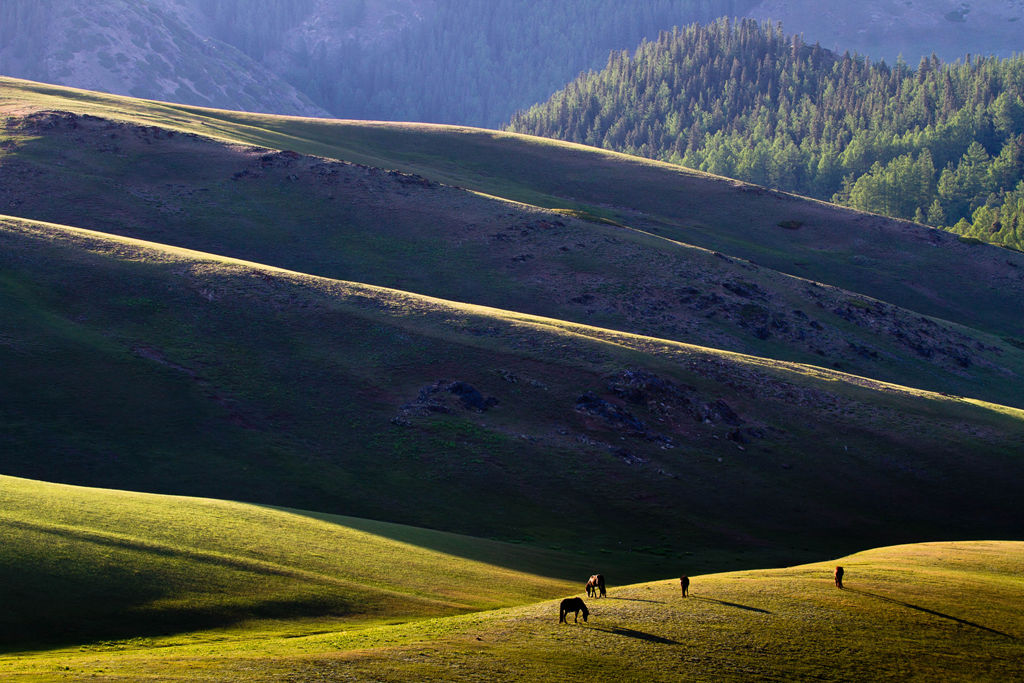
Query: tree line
{"points": [[942, 143]]}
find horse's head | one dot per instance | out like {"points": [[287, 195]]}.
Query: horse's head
{"points": [[586, 612]]}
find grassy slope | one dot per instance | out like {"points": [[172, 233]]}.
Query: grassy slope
{"points": [[83, 564], [252, 383], [935, 611], [889, 260], [357, 223], [82, 304]]}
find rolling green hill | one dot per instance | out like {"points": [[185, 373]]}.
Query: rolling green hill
{"points": [[239, 380], [597, 362], [268, 594], [355, 222], [88, 564], [138, 366]]}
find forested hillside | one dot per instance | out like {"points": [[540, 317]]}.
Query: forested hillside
{"points": [[940, 143]]}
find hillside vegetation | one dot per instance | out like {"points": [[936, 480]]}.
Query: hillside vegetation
{"points": [[934, 610], [79, 565], [470, 62], [239, 381], [355, 222], [594, 361], [941, 144]]}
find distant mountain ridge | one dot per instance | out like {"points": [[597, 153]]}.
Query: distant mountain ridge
{"points": [[886, 29], [157, 50], [471, 62]]}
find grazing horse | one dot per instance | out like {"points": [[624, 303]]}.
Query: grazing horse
{"points": [[595, 586], [839, 577], [575, 605], [684, 583]]}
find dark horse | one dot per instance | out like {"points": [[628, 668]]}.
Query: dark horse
{"points": [[595, 586], [572, 605], [684, 583], [839, 577]]}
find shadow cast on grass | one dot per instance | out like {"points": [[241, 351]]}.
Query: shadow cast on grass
{"points": [[640, 635], [657, 602], [730, 604], [958, 620]]}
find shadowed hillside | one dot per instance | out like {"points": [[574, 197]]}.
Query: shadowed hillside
{"points": [[85, 564], [315, 387], [132, 365], [358, 222]]}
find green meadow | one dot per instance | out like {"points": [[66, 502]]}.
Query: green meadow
{"points": [[148, 587], [269, 416]]}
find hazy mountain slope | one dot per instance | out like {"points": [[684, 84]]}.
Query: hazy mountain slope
{"points": [[358, 223], [470, 62], [141, 367], [147, 49], [457, 61], [886, 29]]}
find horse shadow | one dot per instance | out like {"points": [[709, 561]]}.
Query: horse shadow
{"points": [[958, 620], [730, 604], [640, 635], [657, 602]]}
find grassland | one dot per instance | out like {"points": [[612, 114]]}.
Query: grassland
{"points": [[81, 565], [888, 260], [667, 373], [166, 588], [245, 382], [380, 227]]}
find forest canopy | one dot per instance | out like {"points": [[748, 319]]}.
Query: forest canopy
{"points": [[942, 143]]}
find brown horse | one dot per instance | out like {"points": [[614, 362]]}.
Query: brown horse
{"points": [[595, 586], [839, 577], [575, 605], [684, 583]]}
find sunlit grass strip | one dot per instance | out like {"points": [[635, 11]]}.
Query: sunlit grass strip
{"points": [[931, 611]]}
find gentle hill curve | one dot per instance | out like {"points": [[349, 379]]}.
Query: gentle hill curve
{"points": [[234, 380], [931, 611], [81, 564]]}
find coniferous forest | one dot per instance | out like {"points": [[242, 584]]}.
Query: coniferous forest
{"points": [[939, 143]]}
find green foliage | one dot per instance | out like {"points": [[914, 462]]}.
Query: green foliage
{"points": [[746, 101]]}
